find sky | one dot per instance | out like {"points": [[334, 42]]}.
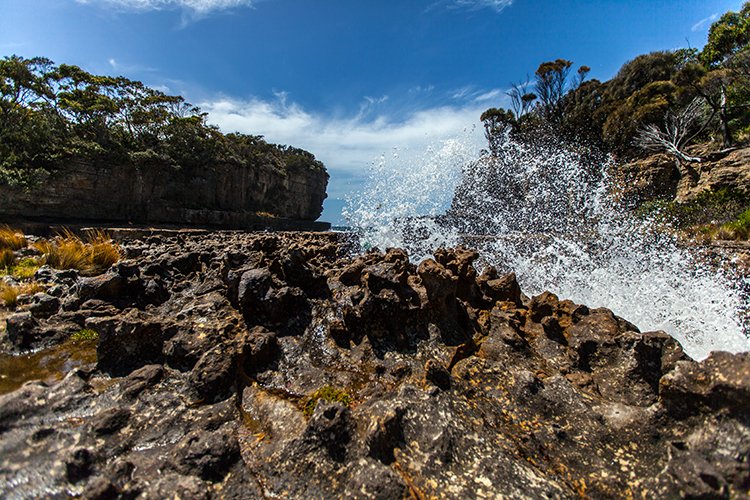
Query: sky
{"points": [[348, 80]]}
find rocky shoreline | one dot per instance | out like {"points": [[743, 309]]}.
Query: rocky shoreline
{"points": [[280, 364]]}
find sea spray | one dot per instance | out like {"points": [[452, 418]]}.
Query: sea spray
{"points": [[551, 214]]}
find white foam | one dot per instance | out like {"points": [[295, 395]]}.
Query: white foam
{"points": [[560, 229]]}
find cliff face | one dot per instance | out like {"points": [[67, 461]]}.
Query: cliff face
{"points": [[221, 195], [659, 177]]}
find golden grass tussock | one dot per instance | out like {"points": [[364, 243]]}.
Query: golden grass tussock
{"points": [[11, 238], [9, 294], [68, 251], [7, 258]]}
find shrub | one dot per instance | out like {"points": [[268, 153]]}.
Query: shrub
{"points": [[325, 393], [11, 239]]}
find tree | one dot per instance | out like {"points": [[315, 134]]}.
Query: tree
{"points": [[497, 124], [551, 86], [726, 37], [521, 99]]}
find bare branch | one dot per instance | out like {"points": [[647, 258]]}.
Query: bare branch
{"points": [[676, 133]]}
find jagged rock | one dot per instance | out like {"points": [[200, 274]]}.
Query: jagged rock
{"points": [[361, 377], [127, 342], [44, 305]]}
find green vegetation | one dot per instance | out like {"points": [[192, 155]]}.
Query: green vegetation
{"points": [[717, 215], [51, 115], [24, 269], [652, 90], [325, 393], [85, 335]]}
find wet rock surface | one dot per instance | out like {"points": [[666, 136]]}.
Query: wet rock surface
{"points": [[247, 365]]}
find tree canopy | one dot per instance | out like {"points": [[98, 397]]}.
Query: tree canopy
{"points": [[646, 93], [50, 114]]}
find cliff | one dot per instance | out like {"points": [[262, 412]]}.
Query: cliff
{"points": [[659, 177], [220, 195]]}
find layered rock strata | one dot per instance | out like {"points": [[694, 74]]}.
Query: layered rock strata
{"points": [[216, 196], [238, 365]]}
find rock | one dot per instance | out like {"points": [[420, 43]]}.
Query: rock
{"points": [[22, 329], [215, 373], [208, 455], [110, 420], [127, 342], [217, 195], [427, 381], [109, 287], [720, 383], [44, 305], [141, 379]]}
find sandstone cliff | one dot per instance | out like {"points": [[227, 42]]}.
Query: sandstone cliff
{"points": [[659, 177], [221, 195]]}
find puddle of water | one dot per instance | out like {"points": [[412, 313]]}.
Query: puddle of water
{"points": [[48, 365]]}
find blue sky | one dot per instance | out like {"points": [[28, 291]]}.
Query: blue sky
{"points": [[348, 80]]}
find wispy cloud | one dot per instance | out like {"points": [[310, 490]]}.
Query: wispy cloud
{"points": [[348, 146], [496, 5], [198, 7], [703, 23]]}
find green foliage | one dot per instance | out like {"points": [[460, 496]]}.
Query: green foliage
{"points": [[50, 115], [710, 208], [325, 393], [85, 335], [24, 269], [727, 36], [646, 91]]}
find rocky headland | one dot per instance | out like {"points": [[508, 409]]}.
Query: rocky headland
{"points": [[262, 365]]}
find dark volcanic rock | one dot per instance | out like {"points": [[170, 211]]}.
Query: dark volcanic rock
{"points": [[273, 365]]}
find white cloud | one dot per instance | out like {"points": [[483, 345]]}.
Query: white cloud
{"points": [[496, 5], [195, 6], [348, 146], [703, 23]]}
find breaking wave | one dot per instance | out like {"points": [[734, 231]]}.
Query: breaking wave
{"points": [[552, 215]]}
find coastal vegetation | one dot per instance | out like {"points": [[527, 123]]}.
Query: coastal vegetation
{"points": [[52, 114], [662, 102], [91, 255]]}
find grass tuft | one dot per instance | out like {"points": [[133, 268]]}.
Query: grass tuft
{"points": [[9, 294], [325, 393], [7, 259], [68, 251], [11, 238]]}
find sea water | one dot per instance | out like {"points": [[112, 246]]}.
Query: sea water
{"points": [[552, 214]]}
